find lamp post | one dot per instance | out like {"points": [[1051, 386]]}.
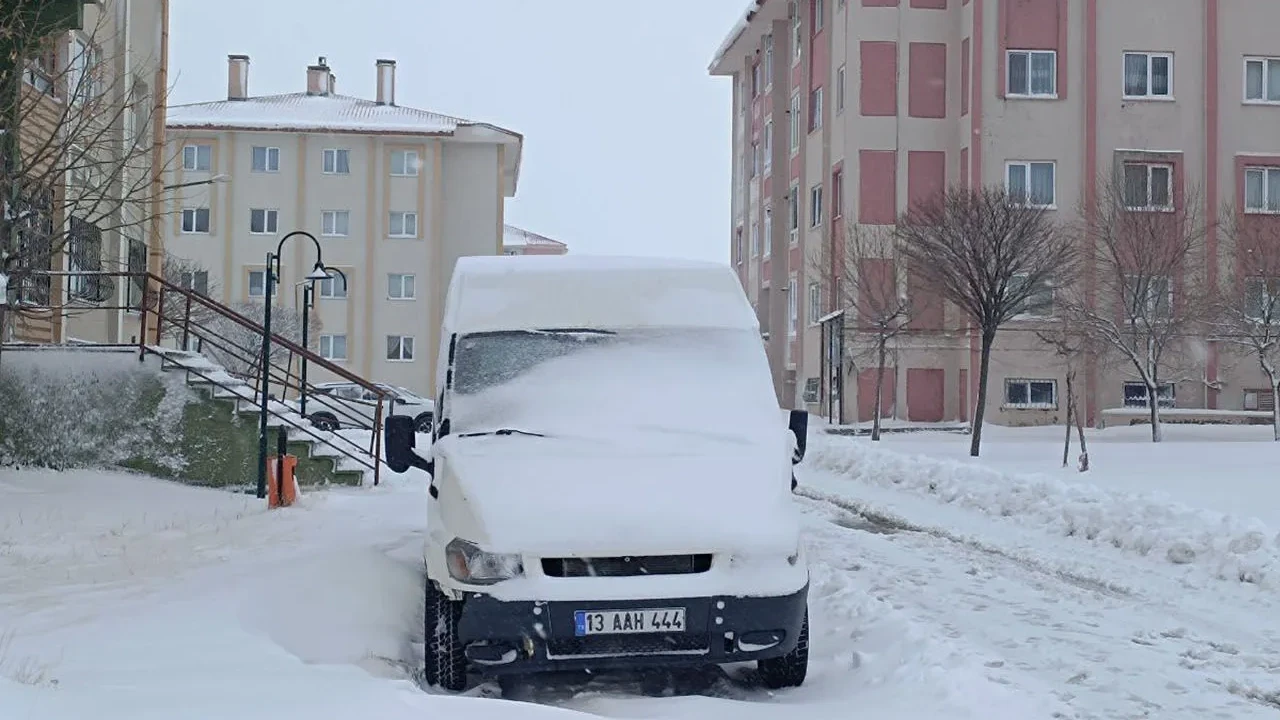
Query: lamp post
{"points": [[308, 295], [268, 281]]}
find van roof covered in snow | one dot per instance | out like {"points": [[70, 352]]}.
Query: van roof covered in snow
{"points": [[576, 291]]}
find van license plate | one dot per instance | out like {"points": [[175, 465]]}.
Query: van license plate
{"points": [[626, 622]]}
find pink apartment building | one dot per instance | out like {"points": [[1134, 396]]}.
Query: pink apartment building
{"points": [[845, 111]]}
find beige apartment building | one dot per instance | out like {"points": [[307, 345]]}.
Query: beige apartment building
{"points": [[846, 111], [88, 121], [395, 195]]}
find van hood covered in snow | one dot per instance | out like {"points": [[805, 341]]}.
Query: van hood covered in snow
{"points": [[552, 497]]}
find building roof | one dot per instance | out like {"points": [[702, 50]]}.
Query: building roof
{"points": [[738, 28], [316, 113], [513, 236]]}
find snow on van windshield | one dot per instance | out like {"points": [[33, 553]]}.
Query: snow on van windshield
{"points": [[712, 383]]}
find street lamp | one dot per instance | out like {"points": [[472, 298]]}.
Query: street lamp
{"points": [[308, 295], [270, 272]]}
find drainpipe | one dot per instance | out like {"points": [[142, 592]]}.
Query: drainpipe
{"points": [[155, 248]]}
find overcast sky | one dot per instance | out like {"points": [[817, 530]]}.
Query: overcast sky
{"points": [[626, 136]]}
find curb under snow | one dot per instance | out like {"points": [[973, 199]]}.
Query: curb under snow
{"points": [[1231, 548]]}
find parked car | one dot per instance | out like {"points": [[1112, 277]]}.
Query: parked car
{"points": [[341, 405], [610, 475]]}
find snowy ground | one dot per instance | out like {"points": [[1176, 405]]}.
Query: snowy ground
{"points": [[125, 597]]}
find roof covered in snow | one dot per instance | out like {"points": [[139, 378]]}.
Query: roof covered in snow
{"points": [[513, 237], [303, 112], [738, 28]]}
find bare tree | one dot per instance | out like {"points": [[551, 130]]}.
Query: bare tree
{"points": [[990, 253], [862, 279], [1148, 297], [76, 147], [1247, 314], [1070, 347]]}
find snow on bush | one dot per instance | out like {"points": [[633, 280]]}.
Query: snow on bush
{"points": [[67, 409], [1232, 548]]}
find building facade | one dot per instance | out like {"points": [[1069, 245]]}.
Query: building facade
{"points": [[87, 119], [845, 112], [394, 194]]}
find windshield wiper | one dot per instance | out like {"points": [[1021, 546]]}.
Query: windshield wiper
{"points": [[501, 431]]}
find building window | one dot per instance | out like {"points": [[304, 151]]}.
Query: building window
{"points": [[1032, 73], [257, 283], [1031, 183], [837, 194], [197, 158], [755, 239], [196, 281], [793, 124], [1135, 395], [737, 245], [768, 145], [767, 240], [404, 163], [840, 89], [1262, 80], [755, 159], [403, 224], [335, 223], [815, 110], [400, 348], [768, 60], [1262, 190], [1148, 187], [793, 310], [793, 213], [1262, 299], [1039, 304], [265, 159], [195, 220], [1148, 75], [1022, 394], [1148, 298], [333, 288], [333, 347], [815, 303], [400, 286], [337, 161], [263, 222], [815, 206], [797, 30]]}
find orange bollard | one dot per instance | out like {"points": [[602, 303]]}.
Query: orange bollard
{"points": [[282, 494]]}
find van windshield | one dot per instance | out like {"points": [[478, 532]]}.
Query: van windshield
{"points": [[709, 383]]}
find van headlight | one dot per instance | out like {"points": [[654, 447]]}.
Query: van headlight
{"points": [[469, 564]]}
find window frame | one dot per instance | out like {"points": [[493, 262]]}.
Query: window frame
{"points": [[1028, 382], [793, 308], [793, 124], [815, 109], [1265, 61], [1029, 165], [195, 221], [1266, 171], [198, 149], [793, 213], [815, 205], [269, 228], [405, 170], [1029, 95], [248, 290], [333, 230], [400, 346], [755, 239], [1149, 312], [1051, 306], [193, 279], [766, 142], [1150, 56], [840, 91], [330, 356], [766, 240], [1268, 297], [1165, 404], [405, 216], [335, 153], [815, 303], [332, 282], [267, 154], [413, 286], [1149, 167]]}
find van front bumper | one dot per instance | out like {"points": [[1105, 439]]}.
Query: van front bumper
{"points": [[531, 636]]}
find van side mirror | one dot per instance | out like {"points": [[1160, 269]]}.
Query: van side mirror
{"points": [[799, 425], [400, 438]]}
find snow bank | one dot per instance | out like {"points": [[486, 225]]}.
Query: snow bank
{"points": [[1229, 547]]}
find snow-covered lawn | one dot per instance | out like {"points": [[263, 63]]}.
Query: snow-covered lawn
{"points": [[124, 597]]}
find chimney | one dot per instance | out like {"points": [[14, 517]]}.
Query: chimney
{"points": [[386, 82], [237, 77], [319, 79]]}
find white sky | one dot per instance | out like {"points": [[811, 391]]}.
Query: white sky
{"points": [[627, 139]]}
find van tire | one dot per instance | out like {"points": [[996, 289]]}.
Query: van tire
{"points": [[324, 421], [788, 671], [445, 663]]}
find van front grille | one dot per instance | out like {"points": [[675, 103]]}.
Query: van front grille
{"points": [[627, 566]]}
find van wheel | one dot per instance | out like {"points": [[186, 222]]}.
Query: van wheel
{"points": [[422, 423], [446, 662], [324, 421], [789, 670]]}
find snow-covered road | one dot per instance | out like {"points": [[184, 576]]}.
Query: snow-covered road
{"points": [[124, 597]]}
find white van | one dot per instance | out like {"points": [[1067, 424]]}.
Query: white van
{"points": [[610, 475]]}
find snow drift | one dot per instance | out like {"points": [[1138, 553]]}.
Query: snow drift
{"points": [[1231, 548]]}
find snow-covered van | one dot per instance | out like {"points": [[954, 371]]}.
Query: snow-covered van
{"points": [[610, 475]]}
